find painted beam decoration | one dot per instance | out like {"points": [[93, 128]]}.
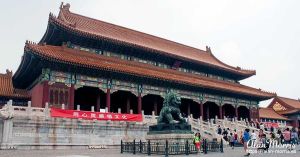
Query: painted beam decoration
{"points": [[115, 85], [125, 86], [83, 80], [148, 89], [74, 114], [60, 77]]}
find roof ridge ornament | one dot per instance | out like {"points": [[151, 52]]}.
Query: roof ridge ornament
{"points": [[51, 15], [30, 42], [208, 50], [62, 17], [9, 72], [65, 7]]}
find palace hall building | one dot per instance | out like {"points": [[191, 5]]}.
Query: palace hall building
{"points": [[8, 92], [88, 62], [282, 109]]}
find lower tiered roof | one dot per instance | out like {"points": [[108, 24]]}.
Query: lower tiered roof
{"points": [[7, 90], [269, 113], [85, 59]]}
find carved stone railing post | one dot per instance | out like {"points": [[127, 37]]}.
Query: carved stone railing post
{"points": [[63, 106], [119, 110], [78, 107], [29, 110], [10, 106], [143, 114], [47, 111], [7, 127], [106, 109], [153, 114], [93, 108], [131, 111]]}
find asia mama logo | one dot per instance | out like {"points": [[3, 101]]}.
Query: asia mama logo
{"points": [[270, 146]]}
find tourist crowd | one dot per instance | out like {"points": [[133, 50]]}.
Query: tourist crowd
{"points": [[260, 138]]}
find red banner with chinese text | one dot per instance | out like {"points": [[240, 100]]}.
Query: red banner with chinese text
{"points": [[270, 124], [95, 115]]}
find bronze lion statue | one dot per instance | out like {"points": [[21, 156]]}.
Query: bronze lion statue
{"points": [[170, 112]]}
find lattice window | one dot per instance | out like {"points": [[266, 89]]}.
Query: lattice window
{"points": [[66, 97], [61, 97], [51, 97], [58, 96]]}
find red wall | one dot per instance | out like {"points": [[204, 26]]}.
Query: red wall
{"points": [[254, 114], [37, 95], [40, 94]]}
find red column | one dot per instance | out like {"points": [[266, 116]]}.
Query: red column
{"points": [[71, 98], [139, 104], [236, 112], [258, 118], [207, 112], [220, 112], [128, 105], [97, 109], [295, 123], [45, 93], [155, 107], [108, 100], [201, 111], [250, 113], [188, 109]]}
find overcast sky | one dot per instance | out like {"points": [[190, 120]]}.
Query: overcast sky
{"points": [[254, 34]]}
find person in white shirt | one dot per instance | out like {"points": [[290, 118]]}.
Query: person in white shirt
{"points": [[253, 135]]}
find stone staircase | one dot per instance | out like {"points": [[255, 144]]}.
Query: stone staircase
{"points": [[207, 129]]}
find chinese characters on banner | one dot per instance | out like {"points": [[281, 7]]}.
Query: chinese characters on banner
{"points": [[95, 115], [270, 124]]}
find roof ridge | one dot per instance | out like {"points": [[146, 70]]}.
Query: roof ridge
{"points": [[287, 98]]}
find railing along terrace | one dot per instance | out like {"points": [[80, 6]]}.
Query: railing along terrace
{"points": [[170, 148]]}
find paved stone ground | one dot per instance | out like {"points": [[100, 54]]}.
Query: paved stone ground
{"points": [[237, 152]]}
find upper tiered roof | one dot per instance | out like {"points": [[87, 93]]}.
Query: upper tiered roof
{"points": [[7, 89], [85, 59], [97, 29]]}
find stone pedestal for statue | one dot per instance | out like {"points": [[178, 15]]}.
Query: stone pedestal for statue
{"points": [[175, 128], [171, 132], [171, 125]]}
